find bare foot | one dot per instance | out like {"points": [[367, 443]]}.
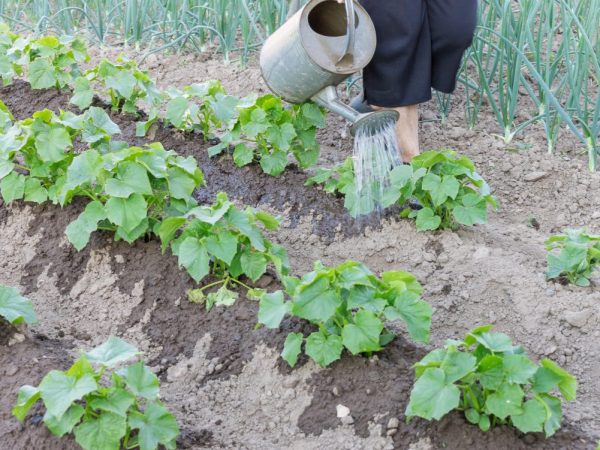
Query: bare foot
{"points": [[407, 131]]}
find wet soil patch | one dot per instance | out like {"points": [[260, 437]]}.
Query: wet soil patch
{"points": [[248, 185]]}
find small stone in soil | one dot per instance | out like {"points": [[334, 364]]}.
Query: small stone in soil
{"points": [[535, 176], [342, 411]]}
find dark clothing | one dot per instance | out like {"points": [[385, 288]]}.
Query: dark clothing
{"points": [[420, 44]]}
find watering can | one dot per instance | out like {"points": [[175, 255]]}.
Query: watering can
{"points": [[320, 46]]}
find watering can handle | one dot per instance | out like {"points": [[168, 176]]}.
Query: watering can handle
{"points": [[348, 56]]}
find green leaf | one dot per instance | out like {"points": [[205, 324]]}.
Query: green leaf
{"points": [[545, 380], [242, 155], [168, 230], [34, 191], [270, 222], [176, 110], [102, 125], [64, 425], [84, 168], [6, 167], [316, 301], [12, 187], [280, 137], [141, 381], [156, 426], [83, 94], [79, 231], [532, 419], [457, 365], [518, 369], [472, 214], [506, 401], [553, 408], [194, 257], [41, 74], [274, 163], [362, 335], [292, 348], [491, 372], [254, 264], [117, 402], [102, 433], [131, 178], [127, 212], [223, 297], [415, 312], [324, 349], [223, 246], [313, 114], [26, 398], [427, 220], [16, 308], [53, 144], [181, 183], [59, 391], [432, 396], [440, 188], [123, 82], [114, 351], [568, 383], [495, 342], [272, 309]]}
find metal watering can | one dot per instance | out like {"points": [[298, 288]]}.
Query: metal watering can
{"points": [[319, 47]]}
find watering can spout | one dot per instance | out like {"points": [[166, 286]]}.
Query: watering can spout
{"points": [[369, 122]]}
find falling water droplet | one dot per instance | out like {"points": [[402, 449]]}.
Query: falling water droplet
{"points": [[375, 155]]}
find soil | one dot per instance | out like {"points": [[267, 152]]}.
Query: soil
{"points": [[223, 379]]}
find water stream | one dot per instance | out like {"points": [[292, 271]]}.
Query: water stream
{"points": [[375, 155]]}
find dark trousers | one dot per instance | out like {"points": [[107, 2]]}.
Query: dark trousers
{"points": [[420, 44]]}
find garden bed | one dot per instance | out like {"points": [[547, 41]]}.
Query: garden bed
{"points": [[224, 380]]}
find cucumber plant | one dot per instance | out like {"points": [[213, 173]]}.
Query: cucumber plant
{"points": [[131, 190], [492, 382], [51, 61], [266, 131], [203, 107], [36, 153], [447, 186], [224, 241], [122, 81], [103, 407], [348, 305], [573, 256], [340, 180], [11, 47], [15, 308]]}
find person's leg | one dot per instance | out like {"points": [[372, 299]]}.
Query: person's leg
{"points": [[452, 25], [399, 76], [407, 131]]}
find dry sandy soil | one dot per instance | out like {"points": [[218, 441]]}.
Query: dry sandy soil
{"points": [[225, 381]]}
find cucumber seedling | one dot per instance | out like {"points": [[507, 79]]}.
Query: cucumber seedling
{"points": [[492, 382], [348, 305], [102, 406]]}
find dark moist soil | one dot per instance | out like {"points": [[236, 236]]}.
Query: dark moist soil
{"points": [[380, 384], [23, 363]]}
